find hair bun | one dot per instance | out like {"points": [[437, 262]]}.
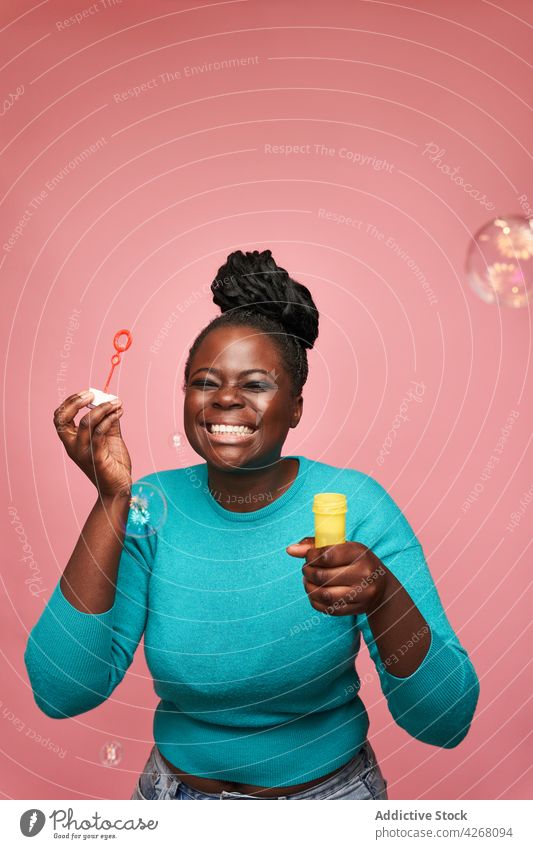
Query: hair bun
{"points": [[254, 281]]}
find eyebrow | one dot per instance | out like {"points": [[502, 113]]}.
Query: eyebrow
{"points": [[246, 371]]}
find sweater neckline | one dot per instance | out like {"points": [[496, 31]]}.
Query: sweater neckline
{"points": [[261, 512]]}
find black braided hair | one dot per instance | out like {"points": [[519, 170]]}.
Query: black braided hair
{"points": [[253, 291]]}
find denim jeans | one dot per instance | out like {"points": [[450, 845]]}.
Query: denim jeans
{"points": [[360, 778]]}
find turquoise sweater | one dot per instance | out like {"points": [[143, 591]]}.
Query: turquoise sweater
{"points": [[255, 685]]}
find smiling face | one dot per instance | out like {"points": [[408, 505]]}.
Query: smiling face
{"points": [[238, 401]]}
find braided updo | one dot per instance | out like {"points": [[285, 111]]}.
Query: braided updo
{"points": [[253, 291]]}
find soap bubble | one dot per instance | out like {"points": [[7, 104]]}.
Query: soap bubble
{"points": [[499, 262], [147, 510], [111, 753], [180, 447], [177, 440]]}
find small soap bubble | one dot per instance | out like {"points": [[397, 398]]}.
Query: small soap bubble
{"points": [[147, 510], [111, 753], [499, 262], [176, 440]]}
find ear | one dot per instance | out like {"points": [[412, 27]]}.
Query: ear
{"points": [[297, 410]]}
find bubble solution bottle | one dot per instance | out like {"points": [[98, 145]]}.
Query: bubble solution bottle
{"points": [[330, 510]]}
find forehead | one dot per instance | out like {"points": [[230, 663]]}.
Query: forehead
{"points": [[234, 349]]}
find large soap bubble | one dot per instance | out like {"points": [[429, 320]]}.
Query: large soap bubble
{"points": [[499, 262], [147, 510]]}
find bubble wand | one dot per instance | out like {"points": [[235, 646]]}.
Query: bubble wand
{"points": [[100, 397]]}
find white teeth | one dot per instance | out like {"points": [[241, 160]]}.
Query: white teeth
{"points": [[229, 429]]}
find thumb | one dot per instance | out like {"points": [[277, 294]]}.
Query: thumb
{"points": [[299, 549]]}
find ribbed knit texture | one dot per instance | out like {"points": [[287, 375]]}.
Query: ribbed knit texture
{"points": [[255, 685]]}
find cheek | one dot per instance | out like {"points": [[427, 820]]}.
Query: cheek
{"points": [[192, 404], [275, 406], [191, 412]]}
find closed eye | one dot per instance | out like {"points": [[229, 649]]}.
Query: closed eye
{"points": [[258, 386]]}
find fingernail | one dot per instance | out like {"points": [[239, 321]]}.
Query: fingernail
{"points": [[86, 393]]}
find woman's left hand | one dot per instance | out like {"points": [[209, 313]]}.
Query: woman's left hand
{"points": [[346, 579]]}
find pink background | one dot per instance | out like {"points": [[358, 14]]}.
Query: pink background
{"points": [[135, 232]]}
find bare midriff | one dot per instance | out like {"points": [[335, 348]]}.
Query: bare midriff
{"points": [[212, 785]]}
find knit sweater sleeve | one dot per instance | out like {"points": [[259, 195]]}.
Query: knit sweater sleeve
{"points": [[74, 659], [436, 703]]}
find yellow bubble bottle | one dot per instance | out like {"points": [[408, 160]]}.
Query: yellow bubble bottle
{"points": [[330, 510]]}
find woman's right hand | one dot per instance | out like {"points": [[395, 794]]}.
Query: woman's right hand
{"points": [[96, 443]]}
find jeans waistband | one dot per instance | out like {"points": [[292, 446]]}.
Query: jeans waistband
{"points": [[357, 764]]}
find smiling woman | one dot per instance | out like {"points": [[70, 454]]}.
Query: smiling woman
{"points": [[245, 372], [259, 697]]}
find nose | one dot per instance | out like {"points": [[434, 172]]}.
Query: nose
{"points": [[226, 397]]}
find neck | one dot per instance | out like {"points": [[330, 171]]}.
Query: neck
{"points": [[242, 490]]}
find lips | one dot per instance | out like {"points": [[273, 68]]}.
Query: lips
{"points": [[207, 425], [229, 437]]}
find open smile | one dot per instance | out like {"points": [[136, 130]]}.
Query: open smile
{"points": [[225, 432]]}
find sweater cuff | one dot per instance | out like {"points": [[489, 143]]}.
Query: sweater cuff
{"points": [[68, 651], [84, 627], [417, 677], [87, 633], [437, 701]]}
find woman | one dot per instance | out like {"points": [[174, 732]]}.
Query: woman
{"points": [[250, 632]]}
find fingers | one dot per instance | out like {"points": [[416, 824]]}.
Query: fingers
{"points": [[337, 577], [364, 569], [91, 427], [340, 554], [329, 594], [110, 425], [298, 549], [338, 601], [65, 414]]}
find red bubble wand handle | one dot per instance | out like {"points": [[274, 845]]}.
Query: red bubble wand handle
{"points": [[120, 347]]}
